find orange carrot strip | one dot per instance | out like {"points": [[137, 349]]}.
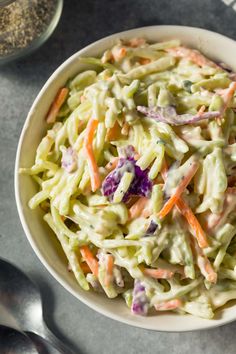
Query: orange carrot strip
{"points": [[119, 53], [91, 127], [123, 52], [136, 156], [112, 164], [227, 96], [113, 133], [80, 125], [168, 305], [90, 259], [164, 169], [85, 268], [158, 273], [136, 42], [88, 141], [56, 105], [138, 207], [204, 264], [125, 129], [194, 55], [109, 269], [144, 61], [212, 275], [187, 212], [201, 110], [179, 190]]}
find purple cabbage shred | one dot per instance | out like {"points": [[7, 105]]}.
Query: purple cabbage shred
{"points": [[69, 159], [169, 115], [151, 228], [140, 301], [141, 184]]}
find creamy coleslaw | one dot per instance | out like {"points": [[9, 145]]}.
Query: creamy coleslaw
{"points": [[137, 174]]}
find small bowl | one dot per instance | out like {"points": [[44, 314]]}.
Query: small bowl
{"points": [[39, 40], [215, 46]]}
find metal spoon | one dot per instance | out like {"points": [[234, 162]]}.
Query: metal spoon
{"points": [[15, 342], [21, 298]]}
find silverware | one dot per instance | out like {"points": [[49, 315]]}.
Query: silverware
{"points": [[15, 342], [21, 298]]}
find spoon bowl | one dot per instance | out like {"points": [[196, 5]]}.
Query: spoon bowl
{"points": [[15, 342], [20, 297]]}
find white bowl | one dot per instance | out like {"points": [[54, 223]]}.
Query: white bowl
{"points": [[213, 45]]}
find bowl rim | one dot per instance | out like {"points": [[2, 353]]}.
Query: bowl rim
{"points": [[28, 234]]}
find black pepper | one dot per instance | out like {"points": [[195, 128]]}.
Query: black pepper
{"points": [[22, 22]]}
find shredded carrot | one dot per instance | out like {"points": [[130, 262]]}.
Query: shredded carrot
{"points": [[85, 268], [80, 125], [201, 110], [136, 156], [194, 55], [138, 207], [212, 275], [168, 305], [122, 52], [179, 190], [164, 169], [56, 105], [119, 53], [112, 164], [125, 129], [90, 259], [227, 96], [187, 212], [144, 61], [158, 273], [113, 133], [136, 42], [109, 269], [203, 263], [88, 145]]}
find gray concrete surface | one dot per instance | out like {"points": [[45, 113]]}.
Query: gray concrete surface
{"points": [[82, 23]]}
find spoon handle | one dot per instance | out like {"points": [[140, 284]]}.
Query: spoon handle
{"points": [[55, 342]]}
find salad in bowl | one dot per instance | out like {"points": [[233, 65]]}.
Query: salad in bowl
{"points": [[136, 177]]}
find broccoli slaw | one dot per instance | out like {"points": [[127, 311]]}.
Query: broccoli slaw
{"points": [[137, 177]]}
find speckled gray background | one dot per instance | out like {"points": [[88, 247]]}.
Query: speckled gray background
{"points": [[83, 22]]}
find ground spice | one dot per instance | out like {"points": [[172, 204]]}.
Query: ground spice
{"points": [[22, 22]]}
